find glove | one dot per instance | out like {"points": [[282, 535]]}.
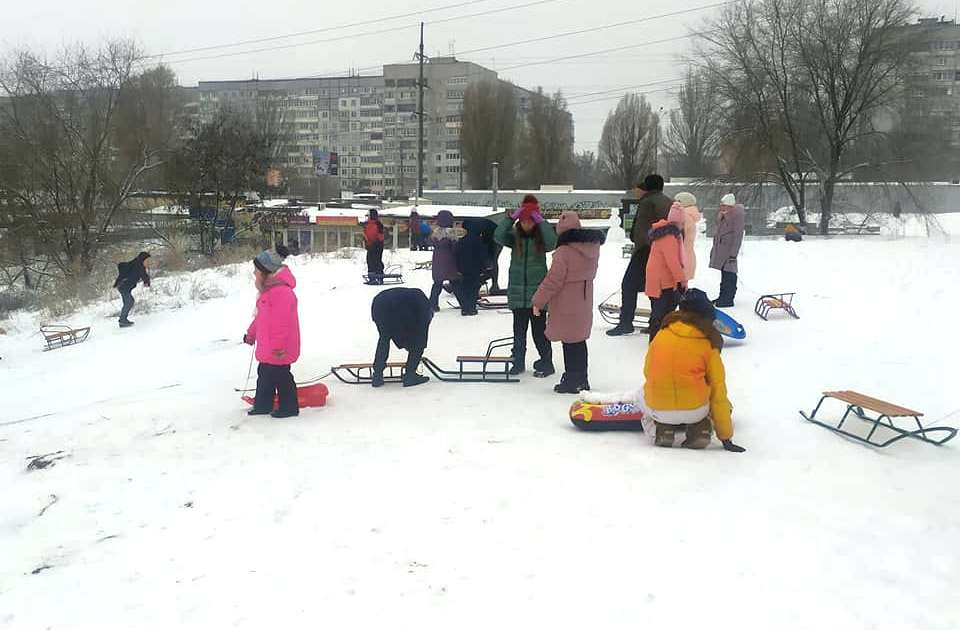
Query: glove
{"points": [[515, 214], [247, 339], [733, 448], [537, 218]]}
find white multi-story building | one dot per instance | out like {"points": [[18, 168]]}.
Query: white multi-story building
{"points": [[370, 122]]}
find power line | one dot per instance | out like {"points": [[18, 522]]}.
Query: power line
{"points": [[315, 31], [355, 35], [600, 52], [594, 29], [644, 92], [623, 89]]}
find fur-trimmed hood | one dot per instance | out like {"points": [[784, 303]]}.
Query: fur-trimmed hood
{"points": [[664, 228]]}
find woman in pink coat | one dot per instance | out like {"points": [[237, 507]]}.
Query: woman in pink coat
{"points": [[566, 293], [666, 273], [276, 332], [691, 219]]}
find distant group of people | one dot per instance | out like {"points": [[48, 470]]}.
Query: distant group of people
{"points": [[685, 387]]}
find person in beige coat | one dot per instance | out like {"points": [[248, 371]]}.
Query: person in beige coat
{"points": [[691, 222]]}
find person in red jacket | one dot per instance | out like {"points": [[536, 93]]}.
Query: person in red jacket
{"points": [[276, 332], [666, 278], [373, 241]]}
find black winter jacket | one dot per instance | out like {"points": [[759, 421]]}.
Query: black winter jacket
{"points": [[130, 273], [403, 315]]}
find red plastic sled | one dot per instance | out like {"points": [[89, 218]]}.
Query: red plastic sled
{"points": [[307, 396], [619, 416]]}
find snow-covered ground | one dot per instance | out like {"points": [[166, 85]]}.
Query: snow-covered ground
{"points": [[479, 505]]}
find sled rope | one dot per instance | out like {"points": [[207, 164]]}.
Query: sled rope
{"points": [[311, 381]]}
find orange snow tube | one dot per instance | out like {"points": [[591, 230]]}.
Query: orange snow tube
{"points": [[307, 396]]}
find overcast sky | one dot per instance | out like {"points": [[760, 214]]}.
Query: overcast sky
{"points": [[177, 25]]}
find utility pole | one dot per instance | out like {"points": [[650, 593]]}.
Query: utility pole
{"points": [[420, 116], [495, 183]]}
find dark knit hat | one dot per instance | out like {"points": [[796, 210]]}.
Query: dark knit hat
{"points": [[282, 251], [268, 261], [445, 219], [696, 301], [652, 183]]}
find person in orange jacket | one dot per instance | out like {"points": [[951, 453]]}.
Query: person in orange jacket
{"points": [[373, 241], [685, 386], [666, 276]]}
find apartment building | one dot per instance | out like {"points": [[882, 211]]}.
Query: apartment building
{"points": [[370, 122], [936, 74]]}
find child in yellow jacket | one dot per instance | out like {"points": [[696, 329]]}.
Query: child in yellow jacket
{"points": [[685, 380]]}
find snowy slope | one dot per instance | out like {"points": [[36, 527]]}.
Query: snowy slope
{"points": [[464, 506]]}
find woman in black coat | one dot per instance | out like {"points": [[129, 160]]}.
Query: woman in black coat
{"points": [[402, 316]]}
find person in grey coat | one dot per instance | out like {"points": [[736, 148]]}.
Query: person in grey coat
{"points": [[444, 240], [731, 224]]}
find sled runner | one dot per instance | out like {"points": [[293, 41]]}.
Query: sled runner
{"points": [[59, 335], [775, 301], [391, 275], [362, 373], [857, 403], [619, 416], [486, 368], [610, 312], [491, 304], [426, 264], [728, 326], [307, 396]]}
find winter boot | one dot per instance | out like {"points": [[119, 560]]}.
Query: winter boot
{"points": [[572, 383], [698, 435], [619, 331], [414, 379], [126, 323], [277, 415], [258, 412], [723, 303], [664, 435], [377, 380], [519, 366], [543, 368]]}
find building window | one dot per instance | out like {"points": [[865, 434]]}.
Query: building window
{"points": [[454, 94]]}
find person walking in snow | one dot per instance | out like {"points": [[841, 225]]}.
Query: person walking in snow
{"points": [[373, 241], [666, 276], [653, 206], [567, 293], [529, 237], [275, 331], [402, 316], [691, 220], [731, 224], [129, 275], [471, 255], [685, 382], [444, 267]]}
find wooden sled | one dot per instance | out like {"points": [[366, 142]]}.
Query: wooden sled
{"points": [[775, 301], [60, 336], [391, 275], [857, 403], [610, 312], [362, 373], [492, 303], [489, 368], [620, 416]]}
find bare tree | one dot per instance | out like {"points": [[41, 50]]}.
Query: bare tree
{"points": [[696, 127], [812, 76], [223, 160], [628, 144], [547, 154], [69, 164], [489, 133], [586, 173]]}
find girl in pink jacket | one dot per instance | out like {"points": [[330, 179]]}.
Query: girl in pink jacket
{"points": [[666, 273], [567, 294], [276, 332]]}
